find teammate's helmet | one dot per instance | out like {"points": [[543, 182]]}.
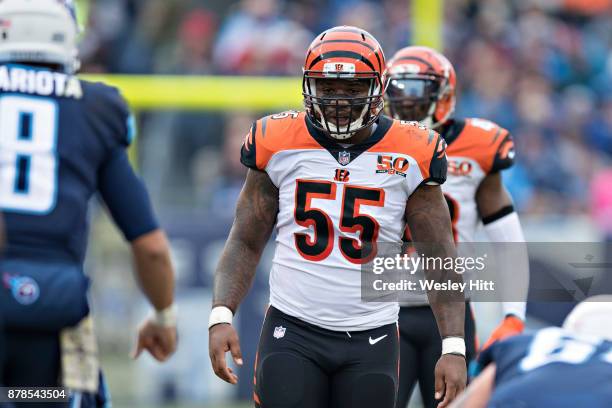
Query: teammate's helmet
{"points": [[591, 317], [351, 54], [39, 31], [421, 86]]}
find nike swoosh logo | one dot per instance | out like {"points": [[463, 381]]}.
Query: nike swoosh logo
{"points": [[376, 340]]}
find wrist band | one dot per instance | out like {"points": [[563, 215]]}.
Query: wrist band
{"points": [[166, 317], [220, 314], [453, 345]]}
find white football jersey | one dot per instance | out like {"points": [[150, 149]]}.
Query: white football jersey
{"points": [[476, 148], [336, 205]]}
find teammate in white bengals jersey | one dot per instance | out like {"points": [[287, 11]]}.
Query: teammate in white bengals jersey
{"points": [[313, 177], [422, 88]]}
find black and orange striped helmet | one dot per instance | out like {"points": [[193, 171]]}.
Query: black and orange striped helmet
{"points": [[348, 54], [421, 87]]}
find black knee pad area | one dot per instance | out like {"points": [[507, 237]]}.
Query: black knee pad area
{"points": [[280, 379], [373, 390]]}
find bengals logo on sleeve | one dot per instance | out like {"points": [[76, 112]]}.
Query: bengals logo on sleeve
{"points": [[248, 155], [439, 165], [504, 157]]}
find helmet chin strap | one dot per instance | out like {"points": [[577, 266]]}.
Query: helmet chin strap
{"points": [[341, 136], [429, 121]]}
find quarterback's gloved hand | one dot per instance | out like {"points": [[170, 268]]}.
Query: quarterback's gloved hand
{"points": [[510, 326]]}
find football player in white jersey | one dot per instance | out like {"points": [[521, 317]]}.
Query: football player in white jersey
{"points": [[318, 177], [422, 88]]}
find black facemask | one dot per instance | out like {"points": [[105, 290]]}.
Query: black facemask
{"points": [[335, 114]]}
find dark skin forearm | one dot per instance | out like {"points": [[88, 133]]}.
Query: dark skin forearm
{"points": [[255, 218], [428, 218], [478, 394], [491, 195]]}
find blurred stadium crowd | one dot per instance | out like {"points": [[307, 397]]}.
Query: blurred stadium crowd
{"points": [[542, 69]]}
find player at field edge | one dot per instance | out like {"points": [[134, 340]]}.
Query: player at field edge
{"points": [[62, 140], [313, 178], [422, 88], [564, 367]]}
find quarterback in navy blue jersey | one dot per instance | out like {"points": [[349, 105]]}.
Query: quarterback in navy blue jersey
{"points": [[567, 367], [62, 140]]}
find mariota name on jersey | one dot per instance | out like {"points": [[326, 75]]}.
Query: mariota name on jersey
{"points": [[40, 82]]}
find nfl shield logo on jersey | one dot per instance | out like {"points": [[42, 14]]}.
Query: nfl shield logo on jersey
{"points": [[279, 332], [344, 158]]}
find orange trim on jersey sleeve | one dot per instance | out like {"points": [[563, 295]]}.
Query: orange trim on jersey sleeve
{"points": [[481, 143], [500, 145], [283, 131], [413, 141]]}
